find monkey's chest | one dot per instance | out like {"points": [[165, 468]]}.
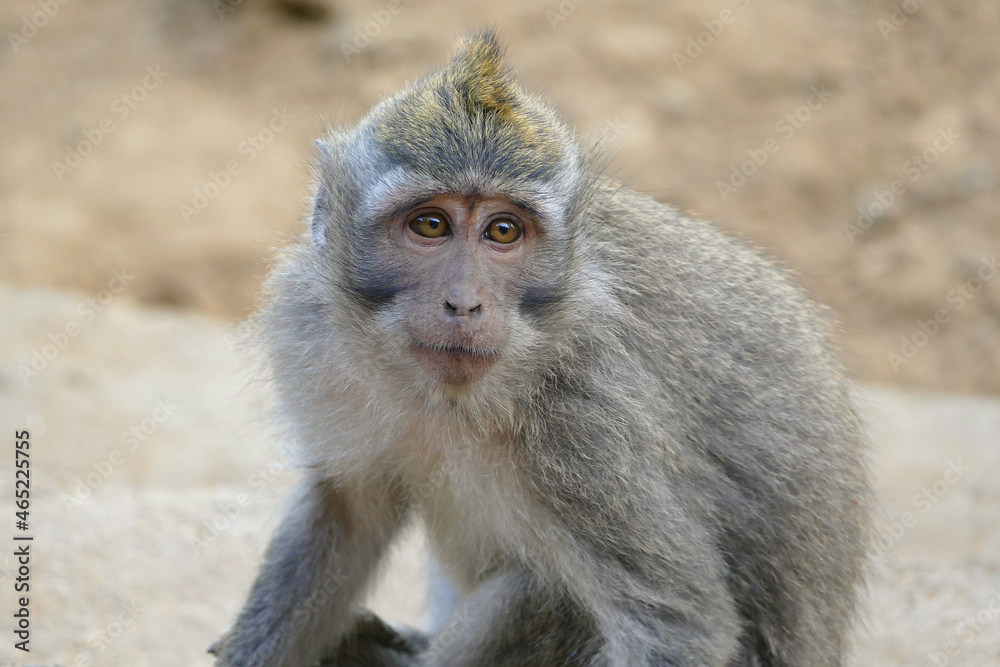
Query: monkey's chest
{"points": [[473, 513]]}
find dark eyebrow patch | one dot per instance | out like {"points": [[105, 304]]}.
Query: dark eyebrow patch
{"points": [[527, 208]]}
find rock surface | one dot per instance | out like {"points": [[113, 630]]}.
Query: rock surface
{"points": [[145, 544]]}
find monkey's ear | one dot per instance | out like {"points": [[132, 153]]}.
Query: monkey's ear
{"points": [[321, 207], [321, 213]]}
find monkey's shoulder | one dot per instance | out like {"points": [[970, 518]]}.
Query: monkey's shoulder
{"points": [[709, 311], [670, 261]]}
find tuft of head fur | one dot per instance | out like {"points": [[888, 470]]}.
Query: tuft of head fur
{"points": [[473, 115]]}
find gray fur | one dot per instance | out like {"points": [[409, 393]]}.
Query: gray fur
{"points": [[664, 468]]}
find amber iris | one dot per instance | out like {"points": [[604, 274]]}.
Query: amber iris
{"points": [[431, 225], [503, 231]]}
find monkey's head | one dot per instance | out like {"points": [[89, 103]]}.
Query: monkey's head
{"points": [[446, 220]]}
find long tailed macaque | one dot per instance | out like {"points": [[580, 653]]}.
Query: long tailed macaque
{"points": [[624, 431]]}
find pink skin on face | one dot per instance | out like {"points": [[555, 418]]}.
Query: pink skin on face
{"points": [[463, 248]]}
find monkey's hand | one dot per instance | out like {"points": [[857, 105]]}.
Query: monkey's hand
{"points": [[374, 643]]}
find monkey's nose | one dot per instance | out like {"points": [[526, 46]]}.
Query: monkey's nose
{"points": [[460, 308]]}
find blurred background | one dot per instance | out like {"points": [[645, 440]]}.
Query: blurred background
{"points": [[154, 157]]}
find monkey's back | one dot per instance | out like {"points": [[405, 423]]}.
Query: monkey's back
{"points": [[758, 399]]}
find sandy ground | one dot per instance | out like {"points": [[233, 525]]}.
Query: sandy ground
{"points": [[146, 544]]}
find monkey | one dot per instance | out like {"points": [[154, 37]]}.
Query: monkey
{"points": [[625, 431]]}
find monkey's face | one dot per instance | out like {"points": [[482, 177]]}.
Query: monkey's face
{"points": [[447, 225], [460, 260]]}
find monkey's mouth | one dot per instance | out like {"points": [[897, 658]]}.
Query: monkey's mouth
{"points": [[455, 363]]}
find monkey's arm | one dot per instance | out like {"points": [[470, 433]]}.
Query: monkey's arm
{"points": [[316, 566]]}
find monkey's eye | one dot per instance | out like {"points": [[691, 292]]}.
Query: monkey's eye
{"points": [[503, 230], [430, 225]]}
